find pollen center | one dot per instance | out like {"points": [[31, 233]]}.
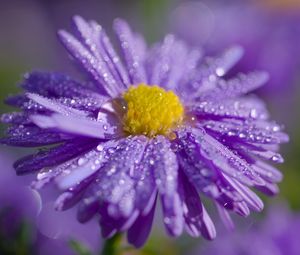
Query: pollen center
{"points": [[151, 111]]}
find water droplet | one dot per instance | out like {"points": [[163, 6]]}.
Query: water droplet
{"points": [[99, 147], [81, 161], [220, 71]]}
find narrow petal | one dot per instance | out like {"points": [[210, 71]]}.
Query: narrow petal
{"points": [[140, 230], [238, 86], [54, 106], [245, 132], [75, 125], [32, 136], [96, 40], [53, 156], [166, 176], [55, 85], [223, 158], [97, 69], [225, 217], [192, 207], [115, 184], [208, 229], [84, 166], [133, 51], [248, 195], [241, 108]]}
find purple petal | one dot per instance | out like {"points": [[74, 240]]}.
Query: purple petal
{"points": [[97, 69], [75, 125], [242, 108], [31, 136], [208, 229], [143, 174], [224, 159], [15, 118], [97, 42], [205, 177], [166, 178], [262, 132], [221, 65], [55, 85], [53, 156], [192, 207], [133, 51], [248, 195], [225, 217], [115, 184], [165, 63], [266, 171], [269, 189], [54, 106], [140, 230], [238, 86]]}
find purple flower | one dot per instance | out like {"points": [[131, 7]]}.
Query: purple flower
{"points": [[117, 143], [276, 235]]}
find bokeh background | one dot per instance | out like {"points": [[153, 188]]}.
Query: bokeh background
{"points": [[269, 30]]}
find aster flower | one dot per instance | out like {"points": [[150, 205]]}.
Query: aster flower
{"points": [[157, 124], [277, 234]]}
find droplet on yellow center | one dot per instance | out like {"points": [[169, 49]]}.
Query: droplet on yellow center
{"points": [[151, 111]]}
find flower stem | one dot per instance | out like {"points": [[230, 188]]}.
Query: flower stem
{"points": [[111, 245]]}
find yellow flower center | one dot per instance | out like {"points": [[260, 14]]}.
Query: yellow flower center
{"points": [[151, 111]]}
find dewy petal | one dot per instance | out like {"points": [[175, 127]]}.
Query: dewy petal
{"points": [[72, 196], [206, 76], [118, 70], [221, 65], [165, 62], [246, 132], [241, 108], [54, 106], [97, 69], [206, 178], [76, 125], [15, 118], [53, 156], [85, 166], [56, 85], [237, 86], [224, 159], [269, 189], [248, 195], [115, 184], [133, 50], [166, 177], [95, 39], [143, 174], [31, 136]]}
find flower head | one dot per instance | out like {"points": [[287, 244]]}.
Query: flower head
{"points": [[160, 123]]}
